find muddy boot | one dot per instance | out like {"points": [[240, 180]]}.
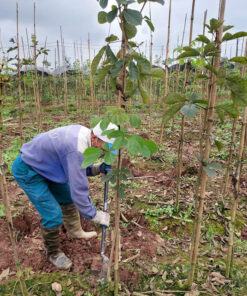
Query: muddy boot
{"points": [[72, 223], [54, 254]]}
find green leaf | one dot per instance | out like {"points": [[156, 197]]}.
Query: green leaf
{"points": [[109, 157], [132, 17], [117, 68], [203, 39], [151, 145], [226, 28], [142, 63], [219, 145], [229, 36], [149, 23], [212, 169], [135, 121], [112, 14], [130, 31], [210, 49], [102, 17], [110, 55], [240, 60], [215, 24], [133, 144], [189, 52], [111, 38], [104, 123], [118, 143], [97, 59], [90, 156], [103, 3], [174, 98], [133, 71], [171, 111], [144, 93], [102, 73], [189, 110]]}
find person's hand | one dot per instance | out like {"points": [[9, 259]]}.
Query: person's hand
{"points": [[104, 168], [102, 218]]}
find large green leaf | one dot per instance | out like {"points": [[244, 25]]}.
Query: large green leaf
{"points": [[229, 36], [110, 55], [133, 144], [90, 155], [133, 71], [117, 68], [112, 14], [203, 39], [132, 16], [130, 30], [111, 38], [109, 157], [97, 59], [103, 3], [102, 73], [189, 52], [102, 17], [240, 60]]}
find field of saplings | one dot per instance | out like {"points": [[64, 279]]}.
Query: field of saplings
{"points": [[177, 188]]}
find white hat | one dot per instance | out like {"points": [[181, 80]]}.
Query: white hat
{"points": [[97, 130]]}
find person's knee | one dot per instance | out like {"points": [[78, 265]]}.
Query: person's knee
{"points": [[54, 219]]}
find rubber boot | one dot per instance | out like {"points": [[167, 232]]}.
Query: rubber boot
{"points": [[54, 254], [72, 223]]}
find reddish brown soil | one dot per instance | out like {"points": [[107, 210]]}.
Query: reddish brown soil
{"points": [[84, 254]]}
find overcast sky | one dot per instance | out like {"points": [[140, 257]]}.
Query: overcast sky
{"points": [[79, 17]]}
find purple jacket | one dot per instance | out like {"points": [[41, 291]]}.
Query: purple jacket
{"points": [[57, 156]]}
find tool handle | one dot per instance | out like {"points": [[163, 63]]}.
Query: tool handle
{"points": [[103, 227]]}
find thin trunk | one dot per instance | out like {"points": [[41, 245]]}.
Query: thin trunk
{"points": [[236, 196], [19, 75], [236, 185], [206, 153]]}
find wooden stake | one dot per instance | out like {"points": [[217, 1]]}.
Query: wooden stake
{"points": [[19, 75], [206, 153]]}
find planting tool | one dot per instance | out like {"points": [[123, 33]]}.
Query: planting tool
{"points": [[105, 259]]}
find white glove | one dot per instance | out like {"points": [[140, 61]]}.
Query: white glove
{"points": [[102, 218]]}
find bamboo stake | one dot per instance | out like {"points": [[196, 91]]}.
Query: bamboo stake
{"points": [[24, 56], [168, 51], [206, 153], [181, 140], [236, 187], [92, 94], [19, 75], [35, 80], [166, 77], [65, 80]]}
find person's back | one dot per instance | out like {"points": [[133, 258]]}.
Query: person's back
{"points": [[46, 153]]}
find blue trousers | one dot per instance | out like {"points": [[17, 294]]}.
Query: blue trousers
{"points": [[45, 195]]}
